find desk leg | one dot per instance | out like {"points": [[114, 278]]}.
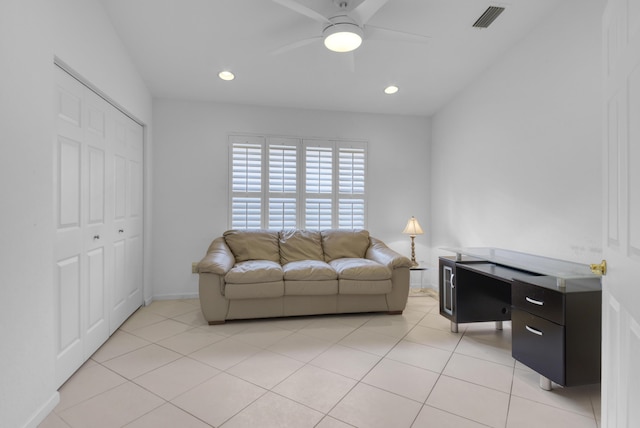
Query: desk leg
{"points": [[498, 325], [454, 327], [545, 383]]}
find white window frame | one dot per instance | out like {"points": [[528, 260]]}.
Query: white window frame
{"points": [[301, 196]]}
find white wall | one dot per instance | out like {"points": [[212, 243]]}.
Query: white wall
{"points": [[516, 155], [31, 33], [191, 175], [26, 347]]}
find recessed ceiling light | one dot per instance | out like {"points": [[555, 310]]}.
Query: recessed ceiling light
{"points": [[226, 75], [389, 90]]}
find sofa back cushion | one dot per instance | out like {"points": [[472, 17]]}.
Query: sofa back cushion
{"points": [[253, 245], [296, 245], [338, 244]]}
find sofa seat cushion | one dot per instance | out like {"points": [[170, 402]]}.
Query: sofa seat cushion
{"points": [[296, 245], [309, 270], [254, 271], [360, 269]]}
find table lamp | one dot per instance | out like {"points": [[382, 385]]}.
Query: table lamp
{"points": [[413, 228]]}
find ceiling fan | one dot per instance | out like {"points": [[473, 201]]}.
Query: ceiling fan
{"points": [[344, 30]]}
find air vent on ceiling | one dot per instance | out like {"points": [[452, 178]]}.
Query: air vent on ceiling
{"points": [[488, 16]]}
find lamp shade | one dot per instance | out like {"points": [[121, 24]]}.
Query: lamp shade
{"points": [[413, 227]]}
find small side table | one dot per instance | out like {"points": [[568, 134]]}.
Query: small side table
{"points": [[421, 269]]}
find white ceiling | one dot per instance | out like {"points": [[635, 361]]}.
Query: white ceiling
{"points": [[180, 45]]}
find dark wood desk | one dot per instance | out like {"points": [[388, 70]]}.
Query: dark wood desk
{"points": [[556, 320]]}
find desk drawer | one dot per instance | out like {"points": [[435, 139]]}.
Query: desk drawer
{"points": [[539, 301], [539, 344]]}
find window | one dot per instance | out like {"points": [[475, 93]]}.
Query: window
{"points": [[246, 184], [282, 194], [284, 183], [351, 177]]}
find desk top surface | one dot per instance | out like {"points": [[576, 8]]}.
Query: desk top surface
{"points": [[528, 262]]}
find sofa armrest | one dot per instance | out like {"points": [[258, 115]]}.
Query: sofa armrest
{"points": [[379, 252], [219, 258]]}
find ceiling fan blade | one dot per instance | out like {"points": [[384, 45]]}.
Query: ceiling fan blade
{"points": [[380, 33], [303, 10], [295, 45], [365, 10]]}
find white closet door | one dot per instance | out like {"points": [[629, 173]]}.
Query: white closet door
{"points": [[134, 227], [96, 232], [81, 244], [127, 218], [69, 259], [98, 218]]}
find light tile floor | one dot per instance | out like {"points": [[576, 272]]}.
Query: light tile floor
{"points": [[165, 367]]}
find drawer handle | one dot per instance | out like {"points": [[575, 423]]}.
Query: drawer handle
{"points": [[533, 330], [535, 302]]}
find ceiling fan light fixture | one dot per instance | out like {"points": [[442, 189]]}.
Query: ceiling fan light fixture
{"points": [[226, 75], [343, 37], [391, 89]]}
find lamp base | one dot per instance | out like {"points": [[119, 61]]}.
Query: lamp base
{"points": [[413, 251]]}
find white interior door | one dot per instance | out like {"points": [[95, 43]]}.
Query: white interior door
{"points": [[81, 249], [127, 164], [621, 165], [69, 264], [134, 224], [96, 242]]}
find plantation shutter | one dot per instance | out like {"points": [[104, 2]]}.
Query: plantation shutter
{"points": [[285, 183], [246, 182], [283, 187], [351, 186], [318, 185]]}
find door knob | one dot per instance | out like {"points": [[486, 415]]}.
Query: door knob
{"points": [[96, 236], [599, 268]]}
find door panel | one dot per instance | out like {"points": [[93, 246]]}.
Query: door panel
{"points": [[95, 264], [633, 184], [119, 296], [634, 373], [69, 302], [69, 106], [613, 157], [134, 265], [120, 186], [621, 214], [68, 183], [96, 195], [135, 204], [68, 322], [610, 346]]}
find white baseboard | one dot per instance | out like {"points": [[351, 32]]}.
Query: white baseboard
{"points": [[44, 410], [176, 296]]}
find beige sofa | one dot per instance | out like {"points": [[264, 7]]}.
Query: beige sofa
{"points": [[264, 273]]}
